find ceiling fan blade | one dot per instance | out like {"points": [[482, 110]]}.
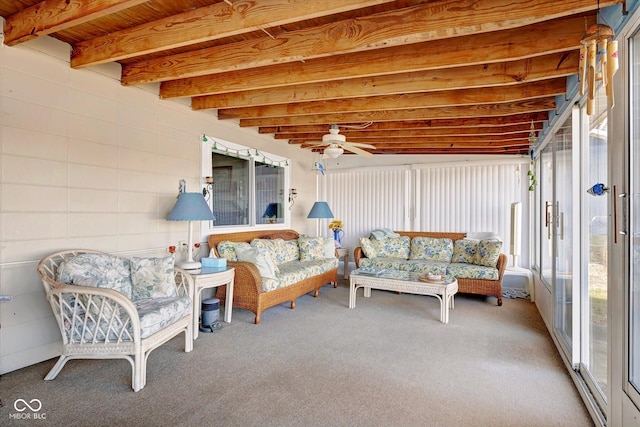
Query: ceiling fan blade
{"points": [[358, 144], [357, 150]]}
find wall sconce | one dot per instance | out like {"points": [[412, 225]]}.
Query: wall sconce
{"points": [[208, 187], [293, 193]]}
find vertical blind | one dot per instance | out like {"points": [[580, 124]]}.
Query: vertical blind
{"points": [[469, 198]]}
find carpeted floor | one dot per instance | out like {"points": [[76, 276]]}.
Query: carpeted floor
{"points": [[387, 362]]}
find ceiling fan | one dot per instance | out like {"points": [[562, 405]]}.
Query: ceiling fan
{"points": [[336, 144]]}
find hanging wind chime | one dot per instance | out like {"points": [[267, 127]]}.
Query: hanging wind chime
{"points": [[597, 42]]}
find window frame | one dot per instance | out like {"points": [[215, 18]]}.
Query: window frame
{"points": [[213, 144]]}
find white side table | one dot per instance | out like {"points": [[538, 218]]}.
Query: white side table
{"points": [[344, 254], [211, 278]]}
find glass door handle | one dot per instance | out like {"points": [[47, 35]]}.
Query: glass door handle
{"points": [[622, 232]]}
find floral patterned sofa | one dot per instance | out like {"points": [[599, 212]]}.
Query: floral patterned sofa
{"points": [[111, 307], [478, 265], [272, 267]]}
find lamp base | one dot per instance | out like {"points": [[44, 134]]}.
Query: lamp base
{"points": [[189, 265]]}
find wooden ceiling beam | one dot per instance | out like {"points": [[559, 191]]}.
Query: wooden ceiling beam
{"points": [[402, 133], [554, 36], [445, 98], [48, 17], [560, 64], [459, 123], [430, 141], [204, 24], [517, 107], [416, 24]]}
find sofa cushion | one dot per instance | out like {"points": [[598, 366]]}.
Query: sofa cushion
{"points": [[423, 266], [290, 250], [152, 278], [472, 271], [392, 247], [260, 258], [98, 270], [311, 248], [487, 253], [295, 271], [464, 250], [227, 249], [368, 248], [382, 263], [431, 249]]}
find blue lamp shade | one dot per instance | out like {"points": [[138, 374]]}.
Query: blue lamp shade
{"points": [[191, 207], [271, 211], [320, 210]]}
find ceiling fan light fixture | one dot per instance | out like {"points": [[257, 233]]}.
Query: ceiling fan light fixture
{"points": [[333, 151]]}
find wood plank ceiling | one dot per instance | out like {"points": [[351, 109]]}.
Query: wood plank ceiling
{"points": [[424, 76]]}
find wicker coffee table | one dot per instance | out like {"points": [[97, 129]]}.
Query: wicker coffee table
{"points": [[402, 281]]}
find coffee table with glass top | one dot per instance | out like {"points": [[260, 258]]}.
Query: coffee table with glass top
{"points": [[403, 281]]}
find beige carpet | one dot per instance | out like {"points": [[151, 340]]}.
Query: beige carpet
{"points": [[387, 362]]}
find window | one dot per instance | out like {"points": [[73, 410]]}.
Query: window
{"points": [[249, 186]]}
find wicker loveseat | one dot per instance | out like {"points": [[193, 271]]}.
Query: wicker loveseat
{"points": [[255, 293], [108, 307], [472, 278]]}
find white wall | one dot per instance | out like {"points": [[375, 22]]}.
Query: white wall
{"points": [[88, 163]]}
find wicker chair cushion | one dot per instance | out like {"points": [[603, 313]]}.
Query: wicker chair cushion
{"points": [[431, 249], [157, 313], [97, 270], [152, 278]]}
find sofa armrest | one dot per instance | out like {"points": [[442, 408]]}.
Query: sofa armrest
{"points": [[358, 255], [502, 265], [247, 278]]}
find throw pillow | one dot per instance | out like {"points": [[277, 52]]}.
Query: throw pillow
{"points": [[270, 247], [311, 248], [392, 247], [227, 249], [368, 248], [99, 270], [431, 249], [260, 258], [291, 250], [464, 250], [329, 248], [487, 253], [152, 278]]}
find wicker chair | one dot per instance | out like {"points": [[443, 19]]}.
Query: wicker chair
{"points": [[101, 323]]}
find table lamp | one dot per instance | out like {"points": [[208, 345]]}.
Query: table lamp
{"points": [[320, 210], [190, 207]]}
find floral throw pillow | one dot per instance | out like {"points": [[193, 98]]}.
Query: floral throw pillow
{"points": [[392, 247], [368, 248], [311, 248], [464, 250], [98, 270], [152, 278], [487, 253], [227, 249], [431, 249]]}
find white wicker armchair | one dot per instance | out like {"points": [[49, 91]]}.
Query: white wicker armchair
{"points": [[102, 323]]}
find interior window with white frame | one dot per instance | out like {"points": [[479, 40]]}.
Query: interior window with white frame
{"points": [[246, 187]]}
